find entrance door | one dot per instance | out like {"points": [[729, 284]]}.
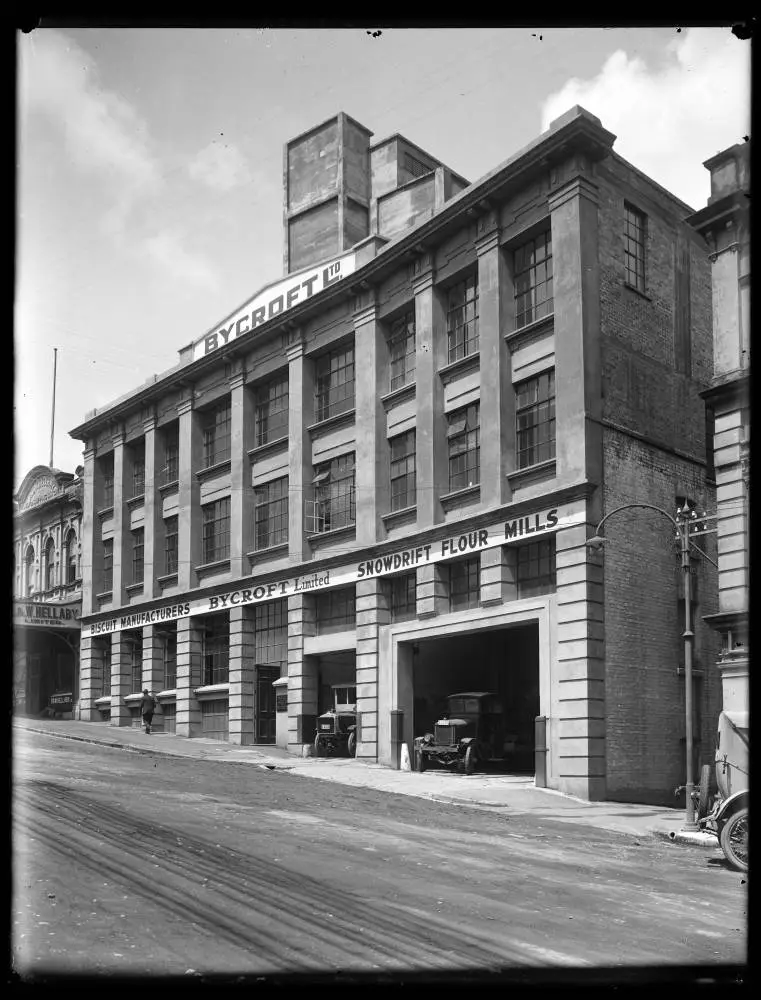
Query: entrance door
{"points": [[265, 703]]}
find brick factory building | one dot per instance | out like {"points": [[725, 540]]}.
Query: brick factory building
{"points": [[378, 474]]}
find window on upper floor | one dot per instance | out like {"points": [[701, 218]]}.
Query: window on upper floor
{"points": [[216, 427], [29, 570], [401, 350], [334, 382], [216, 649], [107, 582], [216, 531], [464, 440], [635, 231], [334, 504], [535, 419], [171, 544], [138, 469], [107, 467], [335, 610], [403, 476], [271, 513], [134, 643], [271, 411], [170, 471], [138, 555], [49, 564], [535, 568], [71, 556], [532, 280], [462, 318], [464, 583]]}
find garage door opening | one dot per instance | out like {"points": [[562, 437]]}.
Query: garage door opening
{"points": [[503, 661]]}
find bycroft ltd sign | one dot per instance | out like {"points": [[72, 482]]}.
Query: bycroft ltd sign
{"points": [[274, 300], [456, 545]]}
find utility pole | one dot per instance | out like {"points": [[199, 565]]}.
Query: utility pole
{"points": [[52, 411], [689, 638]]}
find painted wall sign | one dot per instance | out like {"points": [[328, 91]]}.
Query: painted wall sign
{"points": [[274, 300], [457, 545], [39, 614]]}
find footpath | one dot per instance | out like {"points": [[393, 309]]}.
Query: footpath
{"points": [[511, 793]]}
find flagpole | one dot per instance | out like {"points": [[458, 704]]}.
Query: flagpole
{"points": [[52, 411]]}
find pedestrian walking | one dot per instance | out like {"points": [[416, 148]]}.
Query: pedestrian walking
{"points": [[147, 706]]}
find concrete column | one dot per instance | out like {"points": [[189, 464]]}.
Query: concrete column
{"points": [[92, 561], [580, 666], [498, 575], [189, 653], [432, 590], [430, 356], [372, 458], [121, 679], [153, 658], [372, 612], [189, 524], [152, 510], [89, 689], [241, 675], [300, 414], [496, 312], [302, 674], [576, 288], [242, 495], [120, 522]]}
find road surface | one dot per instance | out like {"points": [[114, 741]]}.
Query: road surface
{"points": [[129, 864]]}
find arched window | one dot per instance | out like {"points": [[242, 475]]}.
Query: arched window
{"points": [[71, 556], [49, 564], [29, 569]]}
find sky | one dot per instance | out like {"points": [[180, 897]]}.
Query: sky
{"points": [[149, 181]]}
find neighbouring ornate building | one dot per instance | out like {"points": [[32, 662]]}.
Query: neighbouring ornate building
{"points": [[47, 590], [725, 224], [380, 473]]}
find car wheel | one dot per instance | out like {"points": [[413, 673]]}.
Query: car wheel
{"points": [[420, 761], [704, 790], [734, 839], [470, 760], [351, 746]]}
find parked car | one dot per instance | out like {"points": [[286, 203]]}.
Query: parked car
{"points": [[336, 734], [726, 814], [471, 732]]}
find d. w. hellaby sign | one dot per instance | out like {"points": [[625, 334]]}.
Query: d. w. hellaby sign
{"points": [[39, 614], [274, 300]]}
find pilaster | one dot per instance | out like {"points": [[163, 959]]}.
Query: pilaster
{"points": [[121, 679], [372, 459], [242, 494], [189, 654], [498, 575], [120, 522], [432, 590], [302, 674], [189, 525], [300, 414], [91, 542], [152, 508], [88, 679], [372, 613], [241, 676]]}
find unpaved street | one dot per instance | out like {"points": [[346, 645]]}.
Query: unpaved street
{"points": [[126, 863]]}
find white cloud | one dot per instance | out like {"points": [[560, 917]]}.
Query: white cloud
{"points": [[167, 249], [672, 117], [221, 166]]}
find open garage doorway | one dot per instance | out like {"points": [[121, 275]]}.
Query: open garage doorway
{"points": [[504, 661], [335, 671]]}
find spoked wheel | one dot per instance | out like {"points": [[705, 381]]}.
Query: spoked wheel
{"points": [[704, 790], [734, 839], [470, 760], [351, 746]]}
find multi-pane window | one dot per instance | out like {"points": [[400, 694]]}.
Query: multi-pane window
{"points": [[108, 482], [29, 569], [101, 681], [334, 375], [271, 513], [464, 583], [170, 472], [171, 539], [334, 494], [216, 434], [138, 470], [536, 568], [49, 564], [634, 247], [416, 167], [402, 470], [532, 277], [403, 597], [108, 566], [335, 610], [464, 447], [169, 650], [138, 555], [271, 411], [535, 419], [401, 350], [134, 644], [462, 318], [216, 531], [71, 556], [216, 649], [271, 632]]}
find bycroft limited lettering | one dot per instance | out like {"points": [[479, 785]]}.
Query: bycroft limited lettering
{"points": [[273, 301]]}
